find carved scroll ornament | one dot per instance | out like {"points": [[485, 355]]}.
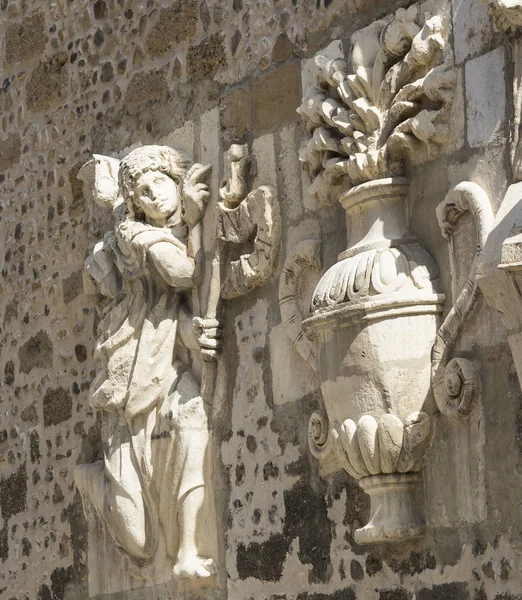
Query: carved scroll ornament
{"points": [[455, 380], [152, 491]]}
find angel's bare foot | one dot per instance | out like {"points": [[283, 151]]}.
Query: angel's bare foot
{"points": [[193, 567]]}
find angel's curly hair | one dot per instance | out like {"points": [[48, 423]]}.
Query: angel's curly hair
{"points": [[173, 163]]}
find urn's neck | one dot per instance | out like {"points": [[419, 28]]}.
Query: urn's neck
{"points": [[375, 214]]}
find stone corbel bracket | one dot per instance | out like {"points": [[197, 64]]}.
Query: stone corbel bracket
{"points": [[456, 384], [303, 258], [251, 219]]}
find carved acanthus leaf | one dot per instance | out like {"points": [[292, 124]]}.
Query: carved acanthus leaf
{"points": [[374, 273], [392, 99], [384, 445]]}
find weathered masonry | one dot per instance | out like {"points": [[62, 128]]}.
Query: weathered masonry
{"points": [[261, 301]]}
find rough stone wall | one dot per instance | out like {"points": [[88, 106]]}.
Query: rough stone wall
{"points": [[89, 77]]}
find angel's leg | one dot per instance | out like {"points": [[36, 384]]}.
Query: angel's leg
{"points": [[189, 563], [113, 487]]}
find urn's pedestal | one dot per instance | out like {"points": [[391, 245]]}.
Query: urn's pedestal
{"points": [[393, 516]]}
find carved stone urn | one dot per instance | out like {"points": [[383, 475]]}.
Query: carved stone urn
{"points": [[382, 358], [375, 316]]}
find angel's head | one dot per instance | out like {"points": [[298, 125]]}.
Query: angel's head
{"points": [[151, 180]]}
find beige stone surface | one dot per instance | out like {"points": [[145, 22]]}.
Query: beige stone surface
{"points": [[102, 78], [275, 98], [236, 113]]}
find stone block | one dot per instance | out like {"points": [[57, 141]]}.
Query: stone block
{"points": [[25, 39], [36, 353], [446, 591], [175, 24], [266, 170], [205, 59], [472, 29], [9, 373], [485, 97], [292, 378], [10, 149], [48, 83], [394, 594], [100, 9], [150, 86], [57, 406], [181, 139], [13, 493], [282, 49], [235, 114], [72, 286], [4, 542], [275, 98]]}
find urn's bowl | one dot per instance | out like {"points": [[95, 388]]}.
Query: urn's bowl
{"points": [[375, 318], [383, 366]]}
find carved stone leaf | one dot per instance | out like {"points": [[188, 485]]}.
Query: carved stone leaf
{"points": [[392, 100]]}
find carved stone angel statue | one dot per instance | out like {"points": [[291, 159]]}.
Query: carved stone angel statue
{"points": [[151, 491]]}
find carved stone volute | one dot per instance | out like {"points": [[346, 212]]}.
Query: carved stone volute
{"points": [[455, 380]]}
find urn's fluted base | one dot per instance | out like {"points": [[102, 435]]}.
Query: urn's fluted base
{"points": [[392, 516]]}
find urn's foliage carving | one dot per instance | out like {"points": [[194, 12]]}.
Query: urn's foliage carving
{"points": [[391, 99]]}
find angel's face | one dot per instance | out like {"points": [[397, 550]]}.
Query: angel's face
{"points": [[156, 194]]}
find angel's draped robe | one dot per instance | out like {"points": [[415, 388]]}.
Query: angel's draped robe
{"points": [[156, 430]]}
